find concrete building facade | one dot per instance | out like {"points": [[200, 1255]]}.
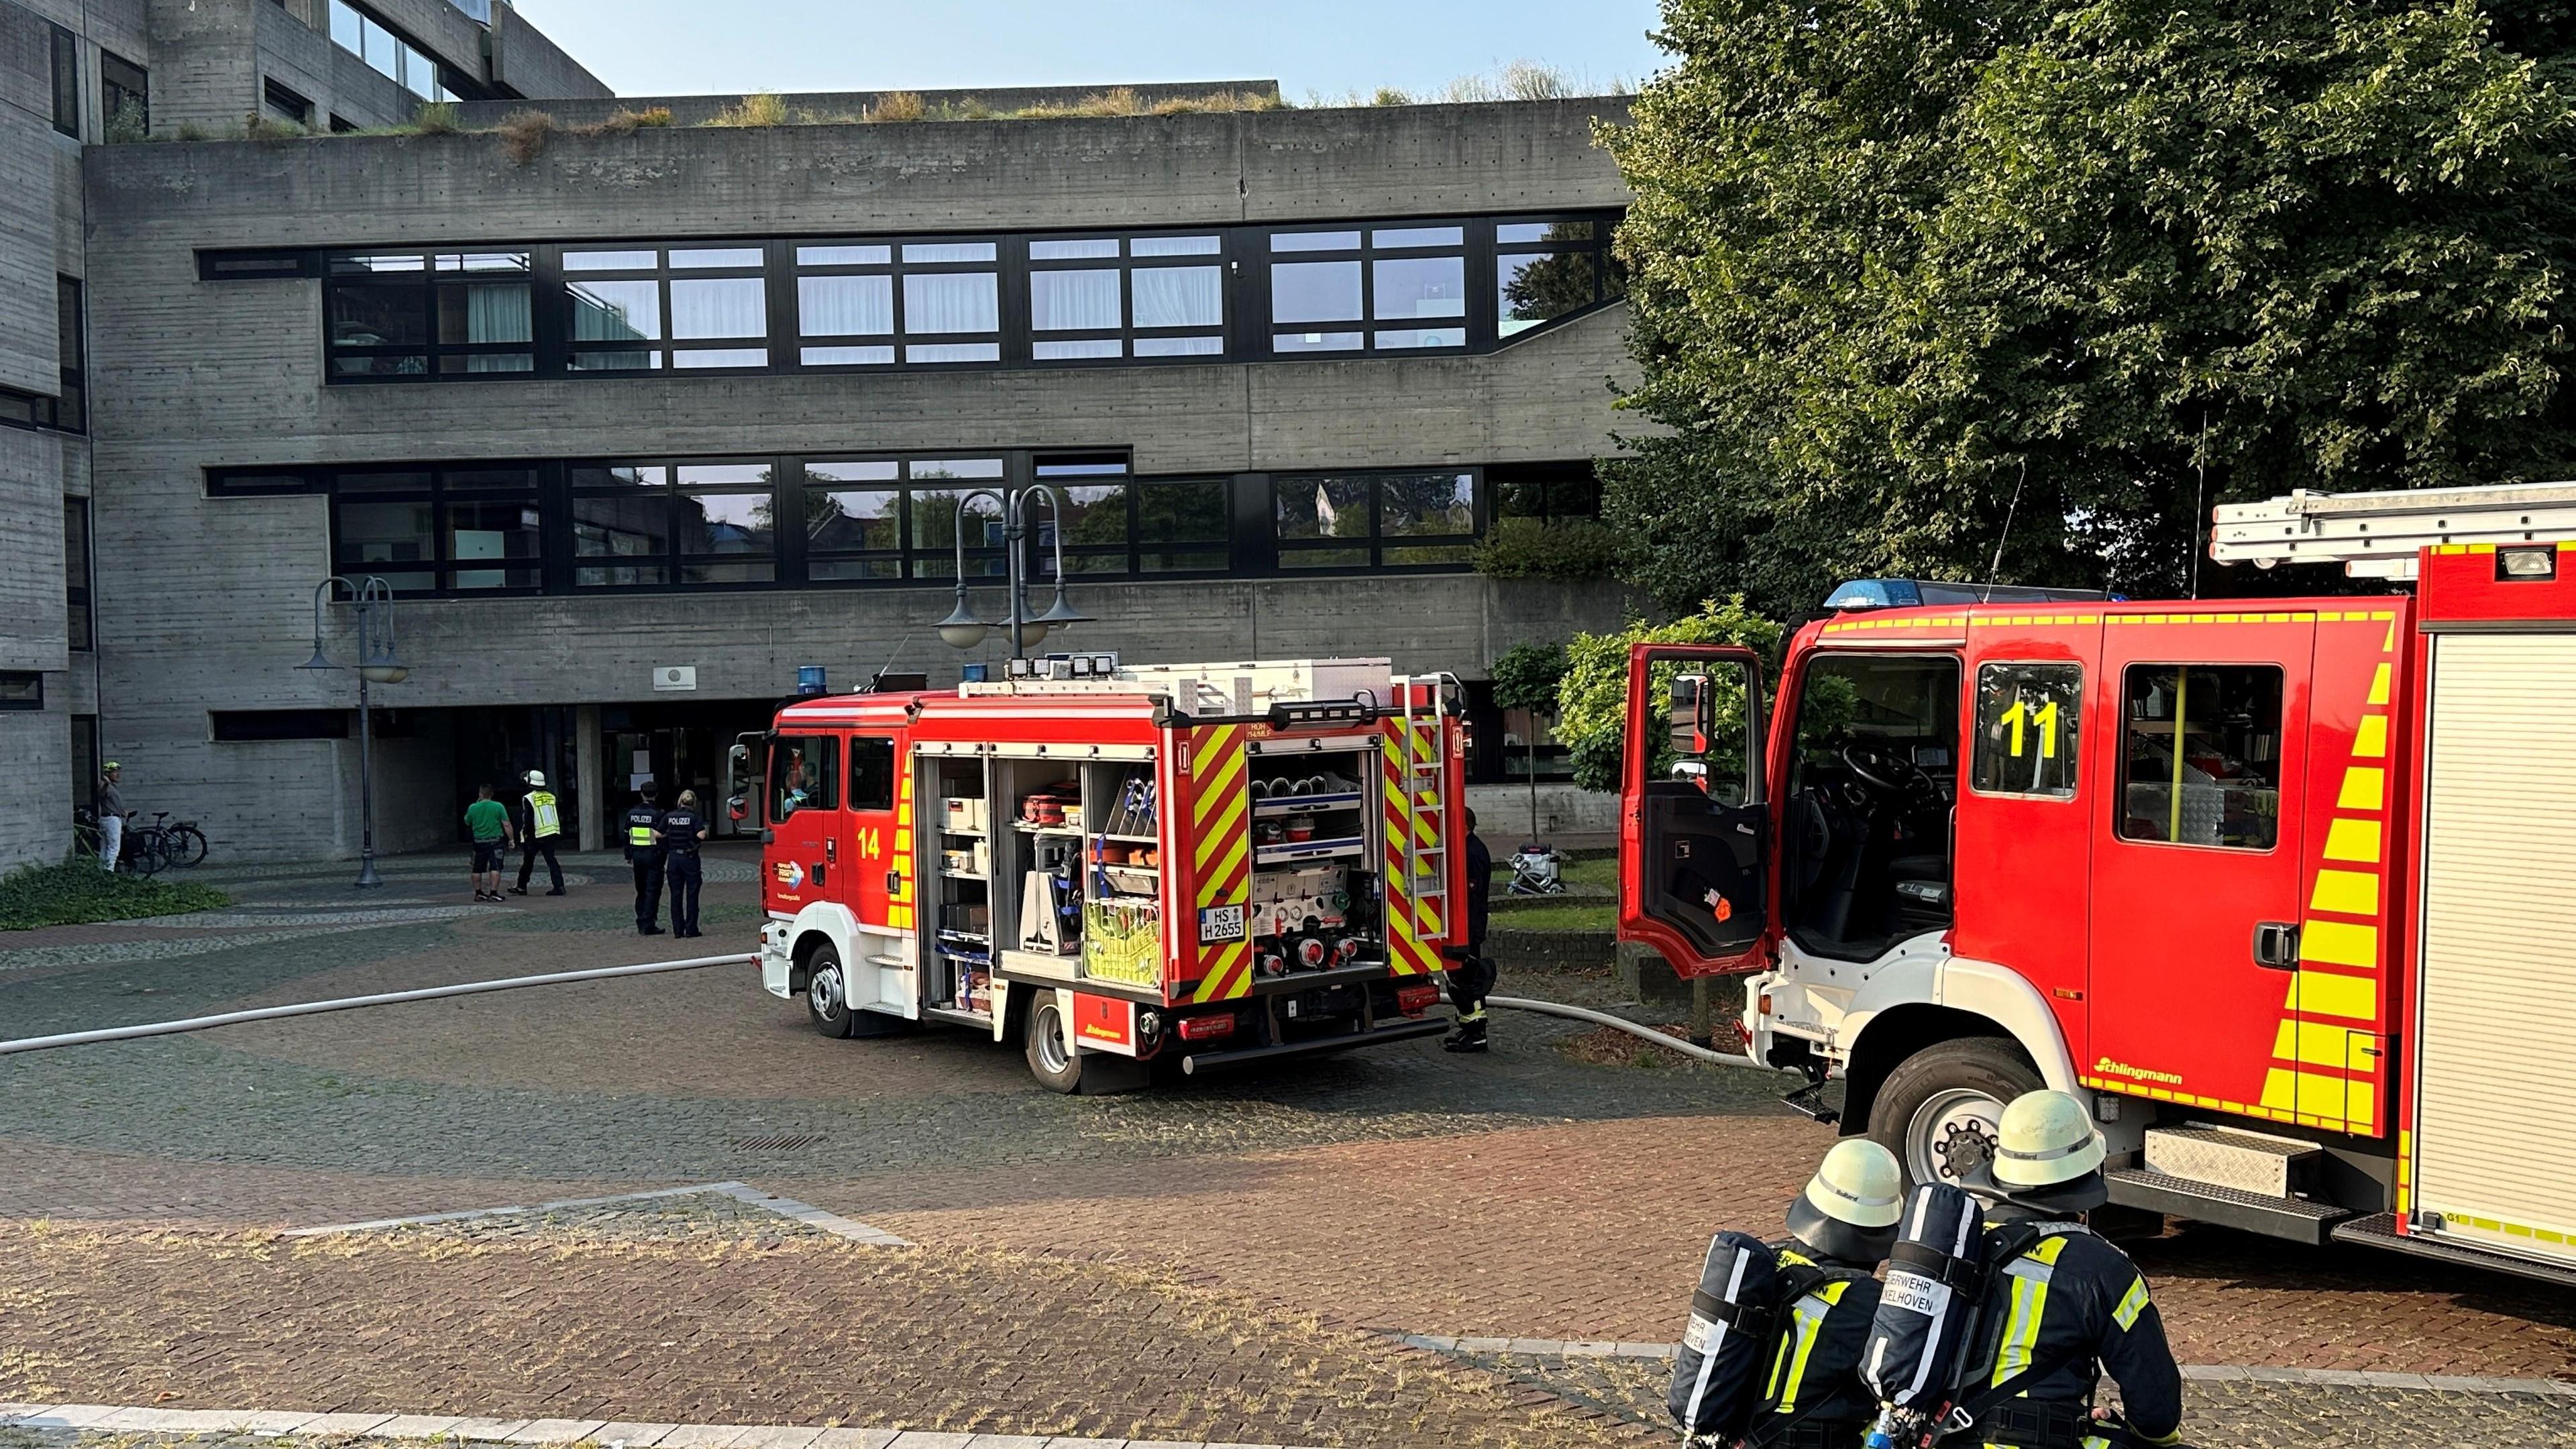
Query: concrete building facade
{"points": [[636, 424]]}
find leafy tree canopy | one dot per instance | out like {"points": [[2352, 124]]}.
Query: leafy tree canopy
{"points": [[1897, 263], [1592, 698]]}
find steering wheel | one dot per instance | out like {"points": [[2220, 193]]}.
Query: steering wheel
{"points": [[1889, 772]]}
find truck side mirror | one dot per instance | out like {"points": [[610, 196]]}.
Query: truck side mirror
{"points": [[1689, 715], [739, 754]]}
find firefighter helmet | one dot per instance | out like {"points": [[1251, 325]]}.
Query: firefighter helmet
{"points": [[2047, 1153], [1850, 1207], [536, 779]]}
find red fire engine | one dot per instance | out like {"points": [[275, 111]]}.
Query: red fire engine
{"points": [[1212, 864], [2284, 888]]}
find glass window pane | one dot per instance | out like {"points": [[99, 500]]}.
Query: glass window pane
{"points": [[634, 526], [371, 366], [348, 31], [386, 533], [370, 265], [1423, 337], [862, 256], [1059, 251], [692, 258], [949, 252], [950, 302], [490, 262], [616, 311], [656, 575], [1155, 560], [848, 356], [2026, 729], [727, 523], [853, 520], [1190, 512], [392, 481], [472, 312], [1179, 346], [473, 362], [485, 480], [719, 307], [1418, 287], [1418, 236], [624, 361], [1323, 558], [419, 74], [934, 526], [1315, 241], [839, 570], [1072, 301], [1511, 232], [644, 261], [845, 306], [1095, 514], [1174, 246], [2202, 761], [1437, 503], [721, 357], [1536, 286], [1315, 342], [931, 468], [857, 470], [1180, 296], [1077, 349], [731, 571], [1420, 554], [383, 53], [735, 475], [1315, 292], [619, 475], [502, 535], [378, 316], [955, 352], [1323, 507]]}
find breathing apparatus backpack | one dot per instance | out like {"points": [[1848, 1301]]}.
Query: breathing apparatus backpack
{"points": [[1936, 1276], [1717, 1380]]}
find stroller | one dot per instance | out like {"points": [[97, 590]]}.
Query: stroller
{"points": [[1537, 870]]}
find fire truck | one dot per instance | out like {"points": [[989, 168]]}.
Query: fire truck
{"points": [[2283, 888], [1203, 865]]}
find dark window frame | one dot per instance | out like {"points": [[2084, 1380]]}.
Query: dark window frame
{"points": [[65, 58], [663, 351], [1127, 263], [2131, 728], [71, 320], [285, 102], [444, 486], [1370, 254], [81, 623], [121, 80], [341, 272], [1609, 279], [275, 726], [672, 560], [875, 794], [22, 679], [1377, 541], [2066, 749]]}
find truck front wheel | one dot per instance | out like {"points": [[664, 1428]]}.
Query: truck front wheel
{"points": [[1938, 1110], [827, 992], [1052, 1059]]}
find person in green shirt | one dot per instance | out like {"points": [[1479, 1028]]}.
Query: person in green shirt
{"points": [[488, 821]]}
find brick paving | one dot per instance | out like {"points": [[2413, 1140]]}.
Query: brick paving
{"points": [[1520, 1195]]}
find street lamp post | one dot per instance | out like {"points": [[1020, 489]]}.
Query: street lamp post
{"points": [[377, 664], [961, 629]]}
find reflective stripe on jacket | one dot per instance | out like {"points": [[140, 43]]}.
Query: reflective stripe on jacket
{"points": [[2074, 1294]]}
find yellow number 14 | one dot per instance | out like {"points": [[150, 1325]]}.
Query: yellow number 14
{"points": [[2044, 719]]}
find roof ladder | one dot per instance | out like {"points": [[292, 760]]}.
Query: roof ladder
{"points": [[2378, 535]]}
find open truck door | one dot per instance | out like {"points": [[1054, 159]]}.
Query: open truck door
{"points": [[1695, 823]]}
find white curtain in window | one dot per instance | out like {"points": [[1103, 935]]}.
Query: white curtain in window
{"points": [[719, 307], [1085, 301], [497, 314], [951, 302], [846, 306], [1179, 297]]}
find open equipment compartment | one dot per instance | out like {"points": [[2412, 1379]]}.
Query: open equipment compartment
{"points": [[1314, 898], [963, 918]]}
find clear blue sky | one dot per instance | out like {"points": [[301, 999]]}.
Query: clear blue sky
{"points": [[664, 47]]}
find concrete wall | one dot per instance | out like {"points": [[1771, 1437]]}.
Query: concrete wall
{"points": [[193, 375], [525, 61], [695, 110]]}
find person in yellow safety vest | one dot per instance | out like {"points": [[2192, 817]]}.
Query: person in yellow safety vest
{"points": [[1840, 1228], [644, 852], [540, 821], [2060, 1300]]}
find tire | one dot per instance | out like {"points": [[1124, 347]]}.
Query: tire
{"points": [[148, 856], [1056, 1065], [187, 845], [827, 987], [1937, 1111]]}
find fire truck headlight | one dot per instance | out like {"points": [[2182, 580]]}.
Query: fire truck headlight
{"points": [[2527, 563]]}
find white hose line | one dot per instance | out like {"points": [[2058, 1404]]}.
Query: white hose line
{"points": [[389, 998], [1642, 1033]]}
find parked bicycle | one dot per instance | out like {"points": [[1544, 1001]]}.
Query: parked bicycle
{"points": [[161, 845]]}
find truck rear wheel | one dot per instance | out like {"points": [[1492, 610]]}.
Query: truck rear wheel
{"points": [[1937, 1111], [1052, 1059], [827, 992]]}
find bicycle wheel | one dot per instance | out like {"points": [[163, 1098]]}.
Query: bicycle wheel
{"points": [[149, 856], [184, 844]]}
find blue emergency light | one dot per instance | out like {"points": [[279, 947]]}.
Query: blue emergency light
{"points": [[809, 679]]}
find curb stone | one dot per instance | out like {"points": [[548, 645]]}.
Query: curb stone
{"points": [[136, 1418]]}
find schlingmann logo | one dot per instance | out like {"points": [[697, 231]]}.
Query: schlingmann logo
{"points": [[2138, 1074]]}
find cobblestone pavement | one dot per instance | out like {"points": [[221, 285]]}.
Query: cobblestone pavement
{"points": [[2232, 1414], [1275, 1221]]}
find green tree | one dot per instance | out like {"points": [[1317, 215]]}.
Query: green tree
{"points": [[1902, 270], [1592, 698]]}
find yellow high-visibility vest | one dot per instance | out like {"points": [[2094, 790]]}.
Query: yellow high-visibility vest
{"points": [[543, 814]]}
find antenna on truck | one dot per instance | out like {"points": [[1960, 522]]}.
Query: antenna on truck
{"points": [[1994, 571]]}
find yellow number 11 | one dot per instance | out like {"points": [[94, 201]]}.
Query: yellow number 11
{"points": [[2044, 719]]}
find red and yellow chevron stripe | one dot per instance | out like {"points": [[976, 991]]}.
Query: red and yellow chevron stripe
{"points": [[899, 906], [1221, 854], [1411, 923]]}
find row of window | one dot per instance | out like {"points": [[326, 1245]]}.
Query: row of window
{"points": [[388, 54], [2200, 758], [886, 519], [125, 91], [875, 304]]}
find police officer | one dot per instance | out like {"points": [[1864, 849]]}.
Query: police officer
{"points": [[1840, 1229], [540, 821], [681, 829], [2059, 1300], [644, 852], [1472, 980]]}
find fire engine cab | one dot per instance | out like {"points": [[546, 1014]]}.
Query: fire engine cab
{"points": [[2284, 888], [1202, 864]]}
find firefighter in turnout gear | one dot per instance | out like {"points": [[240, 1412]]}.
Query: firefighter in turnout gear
{"points": [[644, 851], [540, 822], [2060, 1300], [1840, 1229]]}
